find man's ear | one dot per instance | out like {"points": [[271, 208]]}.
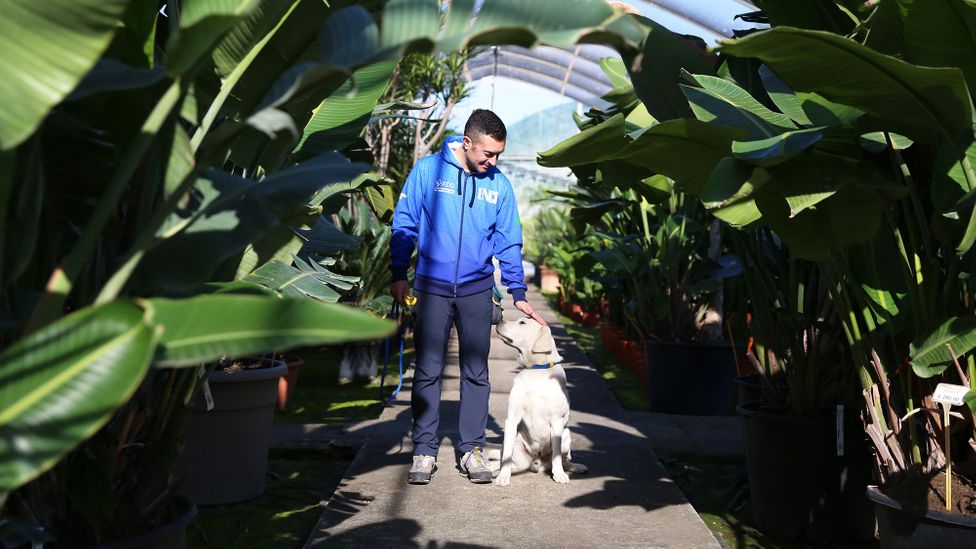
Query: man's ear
{"points": [[544, 342]]}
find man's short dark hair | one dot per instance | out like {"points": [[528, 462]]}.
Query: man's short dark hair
{"points": [[487, 123]]}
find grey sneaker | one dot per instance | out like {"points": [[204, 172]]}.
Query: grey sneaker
{"points": [[475, 465], [423, 468]]}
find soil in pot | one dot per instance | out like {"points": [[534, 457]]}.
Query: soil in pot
{"points": [[928, 492], [912, 513]]}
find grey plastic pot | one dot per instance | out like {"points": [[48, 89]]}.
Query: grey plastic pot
{"points": [[225, 455], [169, 535], [901, 525]]}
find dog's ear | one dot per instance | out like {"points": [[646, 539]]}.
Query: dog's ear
{"points": [[544, 342]]}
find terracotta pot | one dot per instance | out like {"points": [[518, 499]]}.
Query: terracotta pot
{"points": [[637, 362], [617, 336], [590, 318], [576, 312], [287, 382], [606, 334], [548, 279]]}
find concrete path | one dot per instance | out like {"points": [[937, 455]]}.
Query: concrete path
{"points": [[626, 499]]}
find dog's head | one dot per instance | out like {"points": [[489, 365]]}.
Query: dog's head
{"points": [[533, 341]]}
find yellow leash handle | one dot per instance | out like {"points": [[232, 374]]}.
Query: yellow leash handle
{"points": [[410, 300]]}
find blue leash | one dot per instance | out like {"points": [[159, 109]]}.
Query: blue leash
{"points": [[401, 334]]}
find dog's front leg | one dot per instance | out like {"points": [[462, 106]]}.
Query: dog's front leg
{"points": [[558, 474], [504, 477]]}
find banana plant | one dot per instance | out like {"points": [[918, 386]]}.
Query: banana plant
{"points": [[860, 161], [154, 183]]}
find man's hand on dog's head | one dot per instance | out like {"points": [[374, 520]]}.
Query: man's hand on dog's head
{"points": [[527, 311]]}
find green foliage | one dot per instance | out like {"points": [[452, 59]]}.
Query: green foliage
{"points": [[848, 172], [142, 179]]}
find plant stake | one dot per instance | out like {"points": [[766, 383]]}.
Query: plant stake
{"points": [[948, 395]]}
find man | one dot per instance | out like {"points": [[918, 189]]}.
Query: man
{"points": [[459, 210]]}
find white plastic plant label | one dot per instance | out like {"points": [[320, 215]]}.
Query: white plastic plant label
{"points": [[207, 395], [840, 430], [948, 393]]}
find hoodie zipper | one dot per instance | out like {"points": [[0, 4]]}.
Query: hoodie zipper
{"points": [[457, 260]]}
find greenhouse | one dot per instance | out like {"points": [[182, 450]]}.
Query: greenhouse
{"points": [[487, 273]]}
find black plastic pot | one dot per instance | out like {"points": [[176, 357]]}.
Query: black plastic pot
{"points": [[901, 525], [171, 535], [799, 487], [748, 388], [690, 379], [226, 449]]}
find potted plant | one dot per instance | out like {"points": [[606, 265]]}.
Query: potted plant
{"points": [[225, 445], [735, 150], [659, 244]]}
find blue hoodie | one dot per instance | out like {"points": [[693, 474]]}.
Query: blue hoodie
{"points": [[460, 220]]}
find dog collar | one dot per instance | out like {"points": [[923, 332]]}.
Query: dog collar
{"points": [[545, 366]]}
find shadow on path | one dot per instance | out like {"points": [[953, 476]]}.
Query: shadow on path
{"points": [[625, 499]]}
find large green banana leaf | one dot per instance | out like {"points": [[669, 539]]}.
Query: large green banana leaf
{"points": [[339, 120], [202, 24], [686, 150], [61, 383], [934, 33], [919, 102], [414, 24], [929, 353], [307, 279], [724, 103], [46, 48], [233, 213], [656, 78], [204, 328]]}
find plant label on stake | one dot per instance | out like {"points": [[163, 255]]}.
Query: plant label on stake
{"points": [[948, 395], [207, 395], [840, 430]]}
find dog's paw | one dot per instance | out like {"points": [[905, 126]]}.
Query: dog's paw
{"points": [[504, 478], [561, 478]]}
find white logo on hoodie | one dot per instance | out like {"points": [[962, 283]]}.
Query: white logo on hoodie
{"points": [[444, 186], [488, 195]]}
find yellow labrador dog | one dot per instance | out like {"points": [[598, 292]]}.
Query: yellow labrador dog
{"points": [[536, 436]]}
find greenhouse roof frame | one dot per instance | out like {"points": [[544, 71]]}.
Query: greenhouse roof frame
{"points": [[576, 72]]}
